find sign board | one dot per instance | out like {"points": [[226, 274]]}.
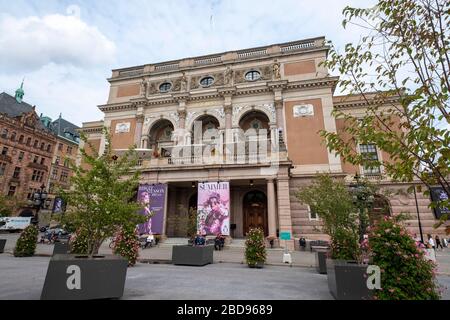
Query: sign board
{"points": [[152, 198], [213, 208], [438, 194], [123, 127], [285, 235], [15, 223]]}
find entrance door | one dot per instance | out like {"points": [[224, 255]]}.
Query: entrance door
{"points": [[255, 211]]}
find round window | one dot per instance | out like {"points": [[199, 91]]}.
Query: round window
{"points": [[164, 87], [207, 81], [252, 75]]}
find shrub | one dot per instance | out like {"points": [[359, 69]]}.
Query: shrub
{"points": [[127, 244], [255, 248], [26, 244], [79, 242], [405, 273], [331, 200]]}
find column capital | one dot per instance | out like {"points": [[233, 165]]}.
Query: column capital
{"points": [[140, 118], [278, 103], [228, 108]]}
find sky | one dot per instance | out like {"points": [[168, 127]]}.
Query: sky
{"points": [[65, 50]]}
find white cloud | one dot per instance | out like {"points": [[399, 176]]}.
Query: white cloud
{"points": [[32, 42]]}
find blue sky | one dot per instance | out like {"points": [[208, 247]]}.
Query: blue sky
{"points": [[66, 49]]}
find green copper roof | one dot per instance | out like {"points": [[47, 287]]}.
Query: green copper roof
{"points": [[20, 93]]}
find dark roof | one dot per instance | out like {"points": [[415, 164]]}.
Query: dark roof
{"points": [[60, 126], [13, 109]]}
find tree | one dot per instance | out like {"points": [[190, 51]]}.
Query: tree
{"points": [[401, 70], [331, 200], [8, 205], [102, 198]]}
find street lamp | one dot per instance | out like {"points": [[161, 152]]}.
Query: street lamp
{"points": [[40, 201], [363, 199]]}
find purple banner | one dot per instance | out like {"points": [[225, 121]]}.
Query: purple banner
{"points": [[152, 196], [213, 208]]}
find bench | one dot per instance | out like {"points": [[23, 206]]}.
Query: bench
{"points": [[318, 244]]}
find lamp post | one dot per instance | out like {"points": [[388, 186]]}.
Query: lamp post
{"points": [[363, 200], [40, 201], [418, 215]]}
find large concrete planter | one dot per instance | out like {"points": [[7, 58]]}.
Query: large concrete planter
{"points": [[347, 281], [192, 255], [321, 261], [77, 277], [61, 247], [2, 245]]}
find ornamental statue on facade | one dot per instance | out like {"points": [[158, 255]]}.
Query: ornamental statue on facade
{"points": [[276, 70], [183, 82], [144, 87], [228, 76]]}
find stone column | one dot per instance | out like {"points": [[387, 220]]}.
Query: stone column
{"points": [[280, 116], [284, 211], [228, 143], [271, 206], [138, 130]]}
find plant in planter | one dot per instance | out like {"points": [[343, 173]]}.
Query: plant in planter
{"points": [[26, 244], [255, 248], [127, 244], [405, 273], [333, 203], [100, 202]]}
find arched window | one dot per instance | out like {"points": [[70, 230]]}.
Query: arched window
{"points": [[252, 75], [207, 81], [165, 87], [49, 148], [42, 145], [5, 134], [28, 141], [21, 138], [36, 143], [13, 136]]}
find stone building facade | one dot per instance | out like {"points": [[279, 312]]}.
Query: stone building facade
{"points": [[278, 95], [26, 148]]}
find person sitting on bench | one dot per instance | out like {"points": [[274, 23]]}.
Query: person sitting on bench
{"points": [[219, 242]]}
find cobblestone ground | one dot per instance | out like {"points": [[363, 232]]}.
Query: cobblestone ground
{"points": [[152, 280]]}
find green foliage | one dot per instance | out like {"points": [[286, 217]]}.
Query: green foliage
{"points": [[192, 223], [26, 244], [255, 248], [8, 205], [331, 200], [102, 198], [401, 69], [127, 244], [79, 242], [405, 273]]}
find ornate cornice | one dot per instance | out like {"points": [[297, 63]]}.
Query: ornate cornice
{"points": [[365, 103], [263, 87]]}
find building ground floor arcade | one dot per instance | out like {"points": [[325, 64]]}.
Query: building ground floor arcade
{"points": [[261, 196]]}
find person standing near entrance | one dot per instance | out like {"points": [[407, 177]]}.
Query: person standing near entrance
{"points": [[438, 243], [431, 242]]}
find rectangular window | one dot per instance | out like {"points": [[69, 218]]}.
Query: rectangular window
{"points": [[69, 149], [12, 191], [16, 173], [369, 152], [2, 168], [21, 155], [37, 175], [55, 174], [4, 151], [312, 214], [60, 146], [42, 160], [64, 176]]}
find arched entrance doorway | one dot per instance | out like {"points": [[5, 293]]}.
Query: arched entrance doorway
{"points": [[379, 209], [255, 211]]}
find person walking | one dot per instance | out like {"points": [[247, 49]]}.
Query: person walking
{"points": [[438, 243], [431, 242]]}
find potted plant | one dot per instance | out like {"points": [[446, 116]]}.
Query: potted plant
{"points": [[255, 248], [99, 203], [333, 203], [196, 253]]}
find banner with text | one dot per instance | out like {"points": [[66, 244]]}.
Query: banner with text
{"points": [[213, 208], [152, 197]]}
